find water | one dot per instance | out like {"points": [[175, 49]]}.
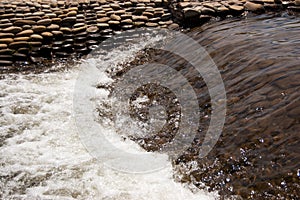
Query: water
{"points": [[257, 156], [42, 156]]}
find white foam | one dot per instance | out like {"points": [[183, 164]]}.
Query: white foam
{"points": [[43, 158]]}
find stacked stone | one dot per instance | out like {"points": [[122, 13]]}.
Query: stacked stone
{"points": [[35, 30], [194, 13], [45, 29]]}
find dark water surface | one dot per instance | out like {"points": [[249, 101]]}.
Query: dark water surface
{"points": [[258, 153]]}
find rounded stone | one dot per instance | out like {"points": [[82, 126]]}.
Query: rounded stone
{"points": [[6, 40], [44, 22], [53, 27], [151, 24], [25, 33], [38, 29], [12, 29], [19, 44], [3, 46], [92, 29], [79, 29], [24, 22], [115, 17], [21, 39], [5, 63], [36, 37], [47, 34], [6, 35], [103, 20]]}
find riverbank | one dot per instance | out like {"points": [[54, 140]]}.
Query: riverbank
{"points": [[34, 32]]}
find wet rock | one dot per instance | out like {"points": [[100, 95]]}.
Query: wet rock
{"points": [[190, 13], [254, 7]]}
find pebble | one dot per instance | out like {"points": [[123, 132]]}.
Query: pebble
{"points": [[6, 35], [12, 29], [6, 40], [44, 22], [21, 39], [19, 44], [81, 21], [24, 22], [36, 37], [3, 46], [38, 29], [25, 33], [254, 7]]}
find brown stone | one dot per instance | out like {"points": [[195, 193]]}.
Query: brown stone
{"points": [[21, 39], [6, 40], [236, 8], [72, 13], [12, 29], [6, 35], [17, 45], [47, 35], [38, 29], [66, 30], [115, 17], [79, 29], [139, 18], [103, 20], [44, 22], [3, 46], [56, 20], [25, 33], [190, 13], [53, 27], [36, 37], [92, 29], [151, 24], [254, 7], [24, 22]]}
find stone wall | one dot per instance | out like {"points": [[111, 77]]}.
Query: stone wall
{"points": [[47, 29]]}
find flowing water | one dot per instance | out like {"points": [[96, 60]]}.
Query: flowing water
{"points": [[257, 155]]}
